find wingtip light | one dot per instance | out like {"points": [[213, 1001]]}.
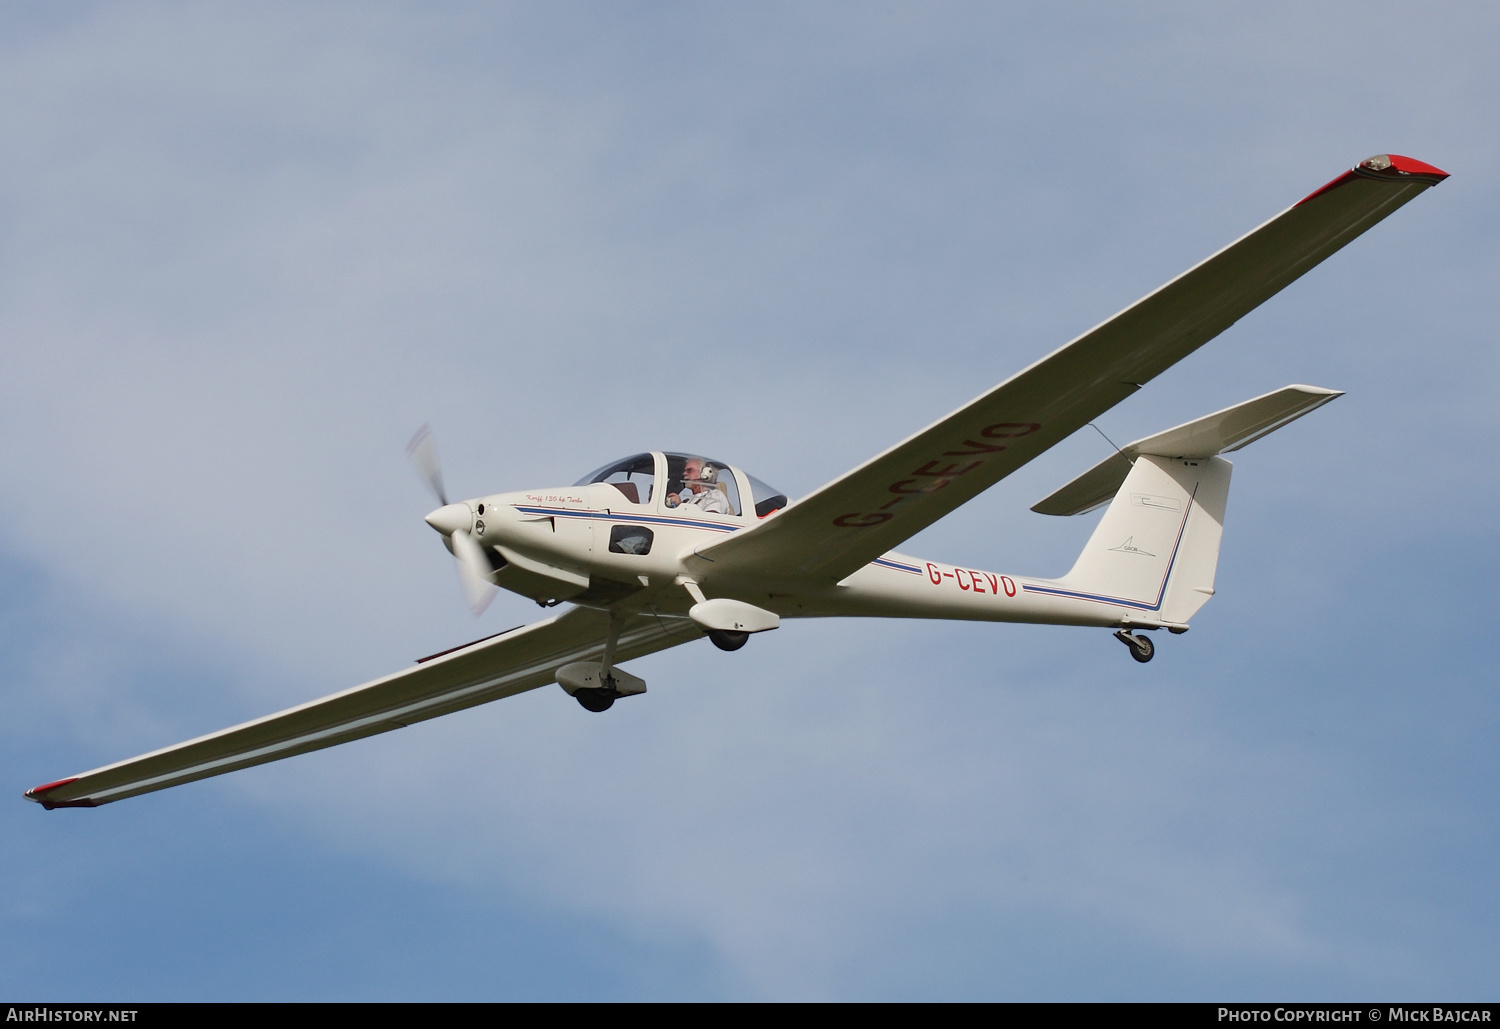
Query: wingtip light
{"points": [[1398, 165]]}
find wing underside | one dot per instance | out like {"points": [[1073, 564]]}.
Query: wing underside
{"points": [[500, 666], [851, 521]]}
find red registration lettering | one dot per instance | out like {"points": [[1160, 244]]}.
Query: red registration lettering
{"points": [[934, 574], [1010, 585], [949, 471], [855, 520], [1009, 430], [979, 448], [978, 582], [961, 584], [994, 584]]}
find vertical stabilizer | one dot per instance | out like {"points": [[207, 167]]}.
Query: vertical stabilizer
{"points": [[1156, 550]]}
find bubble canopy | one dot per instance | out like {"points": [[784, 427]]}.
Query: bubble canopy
{"points": [[640, 464], [639, 471]]}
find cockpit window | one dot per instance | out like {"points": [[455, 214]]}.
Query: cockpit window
{"points": [[634, 477], [767, 498], [702, 484]]}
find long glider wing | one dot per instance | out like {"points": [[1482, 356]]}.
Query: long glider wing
{"points": [[500, 666], [838, 529]]}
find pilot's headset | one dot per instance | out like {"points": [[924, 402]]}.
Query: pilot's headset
{"points": [[708, 473]]}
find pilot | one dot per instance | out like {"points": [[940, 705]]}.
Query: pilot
{"points": [[700, 488]]}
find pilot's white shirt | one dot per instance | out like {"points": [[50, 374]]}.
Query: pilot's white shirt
{"points": [[712, 500]]}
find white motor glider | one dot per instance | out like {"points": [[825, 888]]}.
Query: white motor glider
{"points": [[661, 549]]}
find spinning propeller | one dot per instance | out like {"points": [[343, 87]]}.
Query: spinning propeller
{"points": [[456, 522]]}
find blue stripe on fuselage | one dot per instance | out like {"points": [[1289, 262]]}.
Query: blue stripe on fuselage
{"points": [[626, 516], [887, 563]]}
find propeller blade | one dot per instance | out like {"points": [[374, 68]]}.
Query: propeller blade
{"points": [[423, 453], [473, 571], [452, 520]]}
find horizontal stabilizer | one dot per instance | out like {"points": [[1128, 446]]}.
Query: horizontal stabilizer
{"points": [[1217, 433]]}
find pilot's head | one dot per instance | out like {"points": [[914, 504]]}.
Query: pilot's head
{"points": [[695, 469]]}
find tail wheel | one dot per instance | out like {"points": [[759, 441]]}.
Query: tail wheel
{"points": [[1142, 649], [728, 640]]}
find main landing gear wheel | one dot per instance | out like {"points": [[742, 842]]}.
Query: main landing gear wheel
{"points": [[1141, 648], [596, 700], [726, 640]]}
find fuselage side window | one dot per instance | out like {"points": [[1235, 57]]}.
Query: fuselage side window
{"points": [[634, 477], [630, 539], [700, 484]]}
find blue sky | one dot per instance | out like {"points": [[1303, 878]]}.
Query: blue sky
{"points": [[246, 250]]}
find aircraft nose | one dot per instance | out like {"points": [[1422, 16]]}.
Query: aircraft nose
{"points": [[451, 518]]}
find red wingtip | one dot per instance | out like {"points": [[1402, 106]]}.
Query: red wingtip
{"points": [[1410, 166], [36, 791], [1383, 166]]}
